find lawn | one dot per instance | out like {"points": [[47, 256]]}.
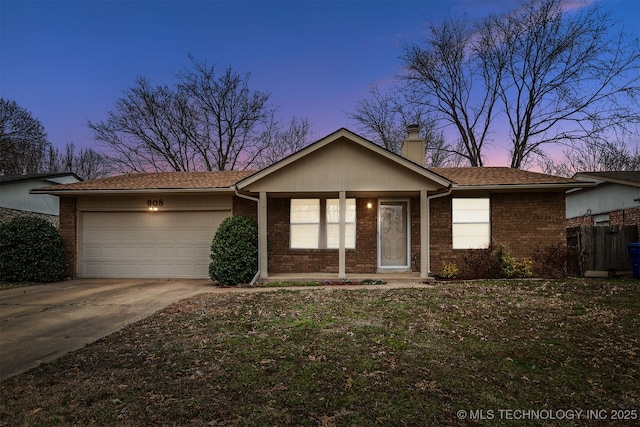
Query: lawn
{"points": [[457, 353]]}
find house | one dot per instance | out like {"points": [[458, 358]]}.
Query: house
{"points": [[603, 219], [613, 200], [16, 199], [340, 207]]}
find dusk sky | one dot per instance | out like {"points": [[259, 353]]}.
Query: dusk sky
{"points": [[69, 61]]}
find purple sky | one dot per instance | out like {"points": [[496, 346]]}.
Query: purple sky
{"points": [[69, 61]]}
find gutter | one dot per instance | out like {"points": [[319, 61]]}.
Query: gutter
{"points": [[125, 191], [546, 186], [257, 200], [446, 193]]}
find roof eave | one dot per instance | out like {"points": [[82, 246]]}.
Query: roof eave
{"points": [[599, 179], [88, 192], [548, 186]]}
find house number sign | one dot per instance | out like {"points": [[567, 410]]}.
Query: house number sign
{"points": [[154, 203]]}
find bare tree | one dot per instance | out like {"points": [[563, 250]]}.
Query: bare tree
{"points": [[377, 119], [23, 141], [149, 130], [231, 117], [281, 142], [383, 118], [441, 77], [204, 122], [593, 156], [567, 79], [86, 163], [556, 77]]}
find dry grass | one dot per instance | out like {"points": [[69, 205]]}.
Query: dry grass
{"points": [[341, 357]]}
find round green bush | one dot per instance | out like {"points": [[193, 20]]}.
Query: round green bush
{"points": [[31, 250], [234, 251]]}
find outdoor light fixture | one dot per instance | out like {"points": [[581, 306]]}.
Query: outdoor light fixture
{"points": [[153, 209], [369, 205]]}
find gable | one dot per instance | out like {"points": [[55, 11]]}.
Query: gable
{"points": [[342, 165]]}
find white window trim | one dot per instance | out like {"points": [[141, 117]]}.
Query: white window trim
{"points": [[323, 225], [483, 223]]}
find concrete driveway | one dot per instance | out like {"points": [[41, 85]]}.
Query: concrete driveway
{"points": [[41, 323]]}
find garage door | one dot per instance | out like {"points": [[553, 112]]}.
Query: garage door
{"points": [[148, 244]]}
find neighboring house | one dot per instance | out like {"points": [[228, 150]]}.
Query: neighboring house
{"points": [[603, 219], [614, 200], [340, 207], [16, 199]]}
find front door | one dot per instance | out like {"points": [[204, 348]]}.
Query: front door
{"points": [[393, 234]]}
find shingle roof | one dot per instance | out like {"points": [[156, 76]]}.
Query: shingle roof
{"points": [[13, 177], [488, 176], [625, 177], [156, 181], [464, 176]]}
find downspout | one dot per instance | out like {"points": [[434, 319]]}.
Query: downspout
{"points": [[429, 198], [257, 200], [446, 193]]}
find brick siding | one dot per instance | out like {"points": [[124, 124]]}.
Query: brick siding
{"points": [[523, 222], [244, 207], [68, 231], [362, 260]]}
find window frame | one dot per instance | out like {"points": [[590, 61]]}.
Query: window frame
{"points": [[485, 223], [293, 224], [323, 224]]}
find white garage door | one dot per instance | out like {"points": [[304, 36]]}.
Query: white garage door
{"points": [[148, 244]]}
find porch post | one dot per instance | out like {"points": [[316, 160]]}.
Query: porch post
{"points": [[262, 236], [341, 235], [424, 235]]}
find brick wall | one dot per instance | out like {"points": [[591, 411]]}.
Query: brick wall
{"points": [[628, 216], [526, 221], [365, 257], [522, 221], [362, 260], [245, 207], [282, 259], [581, 221], [68, 231], [440, 245]]}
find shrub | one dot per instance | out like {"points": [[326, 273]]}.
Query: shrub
{"points": [[558, 261], [449, 270], [509, 266], [234, 251], [497, 262], [31, 250], [503, 259], [523, 268], [481, 264]]}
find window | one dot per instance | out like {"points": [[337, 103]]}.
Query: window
{"points": [[333, 224], [602, 220], [315, 223], [305, 223], [471, 223]]}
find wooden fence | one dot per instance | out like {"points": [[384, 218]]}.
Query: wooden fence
{"points": [[603, 249]]}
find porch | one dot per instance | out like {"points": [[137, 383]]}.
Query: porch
{"points": [[390, 277]]}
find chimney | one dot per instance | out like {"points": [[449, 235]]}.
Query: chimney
{"points": [[413, 147]]}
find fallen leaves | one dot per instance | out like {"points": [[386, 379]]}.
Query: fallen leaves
{"points": [[348, 357]]}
